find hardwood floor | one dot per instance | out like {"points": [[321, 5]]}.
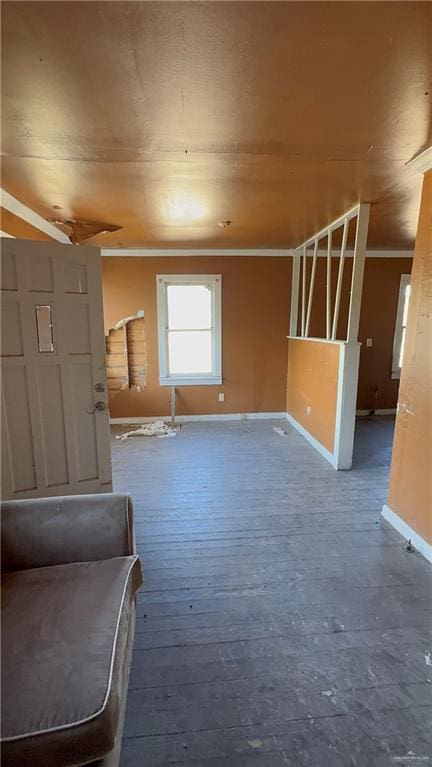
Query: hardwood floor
{"points": [[281, 621]]}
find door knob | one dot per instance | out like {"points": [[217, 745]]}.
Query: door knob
{"points": [[100, 405]]}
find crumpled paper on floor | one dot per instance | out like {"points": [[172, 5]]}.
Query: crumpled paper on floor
{"points": [[155, 429]]}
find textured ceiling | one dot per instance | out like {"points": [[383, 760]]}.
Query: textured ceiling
{"points": [[165, 118]]}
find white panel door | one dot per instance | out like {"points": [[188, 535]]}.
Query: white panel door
{"points": [[55, 424]]}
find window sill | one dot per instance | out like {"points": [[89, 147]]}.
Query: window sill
{"points": [[192, 381]]}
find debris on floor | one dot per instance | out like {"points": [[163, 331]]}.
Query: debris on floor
{"points": [[155, 429], [279, 430], [255, 743]]}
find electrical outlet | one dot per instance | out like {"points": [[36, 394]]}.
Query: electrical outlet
{"points": [[308, 410], [221, 397], [369, 342]]}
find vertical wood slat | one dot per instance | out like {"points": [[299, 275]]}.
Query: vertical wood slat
{"points": [[173, 405], [361, 212], [340, 277], [295, 295], [311, 288], [358, 271], [303, 307], [328, 285], [117, 368], [136, 352]]}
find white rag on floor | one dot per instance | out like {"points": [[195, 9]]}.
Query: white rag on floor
{"points": [[155, 429]]}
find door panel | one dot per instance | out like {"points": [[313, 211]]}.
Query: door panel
{"points": [[18, 424], [52, 356], [75, 277], [8, 272], [40, 278], [11, 329], [85, 420], [51, 406], [78, 325]]}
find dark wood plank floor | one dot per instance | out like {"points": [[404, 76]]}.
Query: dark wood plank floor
{"points": [[281, 622]]}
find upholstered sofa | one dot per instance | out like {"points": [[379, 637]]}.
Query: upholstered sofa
{"points": [[69, 579]]}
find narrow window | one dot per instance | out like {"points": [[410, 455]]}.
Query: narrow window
{"points": [[189, 329], [401, 322], [44, 328]]}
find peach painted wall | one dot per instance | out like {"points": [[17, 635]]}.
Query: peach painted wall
{"points": [[376, 388], [255, 320], [381, 283], [312, 383], [410, 489]]}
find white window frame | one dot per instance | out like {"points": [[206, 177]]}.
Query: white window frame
{"points": [[214, 282], [405, 280]]}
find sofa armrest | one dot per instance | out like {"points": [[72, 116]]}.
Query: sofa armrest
{"points": [[78, 528]]}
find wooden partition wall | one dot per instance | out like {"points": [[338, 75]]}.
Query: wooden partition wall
{"points": [[323, 372], [321, 395]]}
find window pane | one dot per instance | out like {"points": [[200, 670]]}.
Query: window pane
{"points": [[402, 346], [406, 305], [44, 328], [190, 352], [189, 307]]}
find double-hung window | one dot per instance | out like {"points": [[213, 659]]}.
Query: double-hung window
{"points": [[401, 322], [189, 329]]}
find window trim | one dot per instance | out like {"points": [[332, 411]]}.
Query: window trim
{"points": [[162, 281], [405, 280]]}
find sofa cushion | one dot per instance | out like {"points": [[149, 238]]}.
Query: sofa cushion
{"points": [[63, 650]]}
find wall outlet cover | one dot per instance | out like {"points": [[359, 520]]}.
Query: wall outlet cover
{"points": [[221, 397]]}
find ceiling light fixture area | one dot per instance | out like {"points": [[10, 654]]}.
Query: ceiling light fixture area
{"points": [[82, 230], [184, 208]]}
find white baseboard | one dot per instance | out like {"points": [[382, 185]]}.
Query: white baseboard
{"points": [[419, 543], [205, 417], [314, 442], [232, 417]]}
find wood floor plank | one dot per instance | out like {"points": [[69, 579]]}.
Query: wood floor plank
{"points": [[281, 621]]}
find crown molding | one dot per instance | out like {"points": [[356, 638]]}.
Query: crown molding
{"points": [[179, 252], [259, 253], [422, 162], [10, 203]]}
